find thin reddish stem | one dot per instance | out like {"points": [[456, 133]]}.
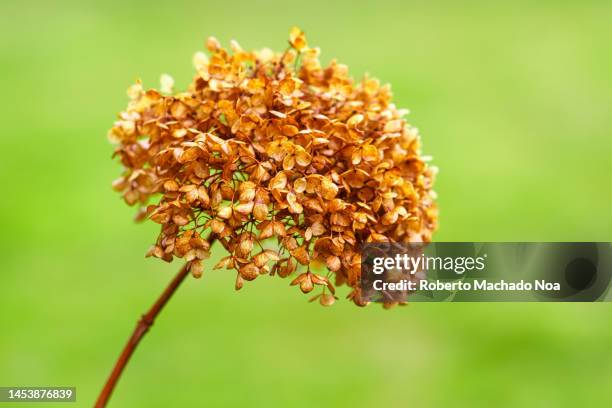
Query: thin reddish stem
{"points": [[142, 327]]}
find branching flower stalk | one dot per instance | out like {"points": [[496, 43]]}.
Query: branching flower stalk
{"points": [[266, 146]]}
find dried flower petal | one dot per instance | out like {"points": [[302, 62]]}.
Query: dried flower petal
{"points": [[167, 83], [225, 212], [294, 206], [278, 182], [297, 39]]}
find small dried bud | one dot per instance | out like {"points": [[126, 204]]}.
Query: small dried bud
{"points": [[212, 44], [297, 39], [167, 83], [196, 269], [249, 271], [239, 282], [327, 300]]}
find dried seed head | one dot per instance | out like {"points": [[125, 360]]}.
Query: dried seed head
{"points": [[327, 300], [274, 146]]}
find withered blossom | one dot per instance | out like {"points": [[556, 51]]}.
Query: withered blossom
{"points": [[266, 146]]}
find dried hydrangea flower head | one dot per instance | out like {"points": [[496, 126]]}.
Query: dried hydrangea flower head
{"points": [[266, 146]]}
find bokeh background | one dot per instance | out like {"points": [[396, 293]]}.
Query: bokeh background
{"points": [[513, 101]]}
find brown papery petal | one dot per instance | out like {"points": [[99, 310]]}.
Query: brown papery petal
{"points": [[278, 182], [294, 206], [249, 272]]}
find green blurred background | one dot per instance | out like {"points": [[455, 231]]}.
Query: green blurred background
{"points": [[513, 101]]}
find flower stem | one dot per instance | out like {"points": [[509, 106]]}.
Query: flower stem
{"points": [[142, 327]]}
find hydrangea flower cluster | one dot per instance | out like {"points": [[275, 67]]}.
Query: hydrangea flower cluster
{"points": [[265, 146]]}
